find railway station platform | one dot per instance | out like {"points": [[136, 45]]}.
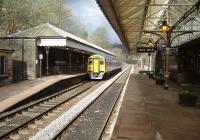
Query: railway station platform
{"points": [[148, 112], [17, 92]]}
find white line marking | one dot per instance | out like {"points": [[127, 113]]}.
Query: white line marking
{"points": [[158, 136], [132, 69], [55, 127], [114, 120]]}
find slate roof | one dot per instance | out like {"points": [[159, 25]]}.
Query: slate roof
{"points": [[48, 30]]}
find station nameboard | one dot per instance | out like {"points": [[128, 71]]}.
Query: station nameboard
{"points": [[145, 49]]}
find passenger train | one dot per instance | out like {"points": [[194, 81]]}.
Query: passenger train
{"points": [[99, 67]]}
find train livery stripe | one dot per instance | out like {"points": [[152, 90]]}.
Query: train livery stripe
{"points": [[96, 65]]}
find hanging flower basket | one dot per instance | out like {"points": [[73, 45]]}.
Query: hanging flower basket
{"points": [[143, 72], [159, 79], [151, 74], [187, 98]]}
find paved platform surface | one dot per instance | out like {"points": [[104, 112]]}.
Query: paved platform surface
{"points": [[13, 93], [149, 112]]}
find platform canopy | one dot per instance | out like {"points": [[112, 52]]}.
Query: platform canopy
{"points": [[51, 36], [138, 21]]}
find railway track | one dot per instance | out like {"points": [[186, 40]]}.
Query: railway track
{"points": [[91, 124], [14, 121], [88, 118]]}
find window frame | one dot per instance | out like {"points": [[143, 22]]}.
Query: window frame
{"points": [[90, 61], [101, 62], [2, 65]]}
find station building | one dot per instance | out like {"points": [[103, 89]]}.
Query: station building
{"points": [[5, 66], [189, 61], [47, 50]]}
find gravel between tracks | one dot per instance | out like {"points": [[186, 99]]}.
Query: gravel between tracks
{"points": [[91, 123], [25, 117], [53, 129]]}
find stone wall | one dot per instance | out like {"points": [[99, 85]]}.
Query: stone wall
{"points": [[24, 57], [30, 58]]}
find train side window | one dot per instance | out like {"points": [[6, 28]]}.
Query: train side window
{"points": [[101, 62], [90, 62]]}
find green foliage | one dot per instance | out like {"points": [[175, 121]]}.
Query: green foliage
{"points": [[143, 72], [186, 93], [100, 38], [52, 11], [77, 29], [159, 76], [23, 14], [119, 53]]}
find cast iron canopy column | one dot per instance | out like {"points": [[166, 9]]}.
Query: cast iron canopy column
{"points": [[83, 60], [70, 60], [47, 59], [168, 45]]}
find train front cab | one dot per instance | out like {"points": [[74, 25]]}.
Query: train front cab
{"points": [[96, 67]]}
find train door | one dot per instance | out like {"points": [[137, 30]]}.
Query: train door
{"points": [[96, 65], [102, 65], [90, 65]]}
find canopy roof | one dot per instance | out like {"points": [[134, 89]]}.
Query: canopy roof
{"points": [[137, 21], [48, 31]]}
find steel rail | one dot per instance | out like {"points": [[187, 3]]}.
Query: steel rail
{"points": [[110, 114], [59, 135], [5, 115], [24, 124]]}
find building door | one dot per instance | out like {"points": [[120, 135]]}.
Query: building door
{"points": [[2, 65]]}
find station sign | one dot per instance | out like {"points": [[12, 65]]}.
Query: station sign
{"points": [[52, 42], [40, 56], [145, 49], [172, 51]]}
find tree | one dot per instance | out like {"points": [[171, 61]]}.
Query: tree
{"points": [[22, 14], [78, 29], [100, 38], [52, 11], [13, 15], [119, 53]]}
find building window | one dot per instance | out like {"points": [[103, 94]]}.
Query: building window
{"points": [[2, 65]]}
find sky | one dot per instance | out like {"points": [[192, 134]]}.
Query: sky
{"points": [[88, 12]]}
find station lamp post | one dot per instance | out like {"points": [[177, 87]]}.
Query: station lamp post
{"points": [[151, 44], [166, 28]]}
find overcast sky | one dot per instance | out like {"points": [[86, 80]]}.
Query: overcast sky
{"points": [[88, 12]]}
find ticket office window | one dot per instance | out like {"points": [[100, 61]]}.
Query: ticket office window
{"points": [[2, 65]]}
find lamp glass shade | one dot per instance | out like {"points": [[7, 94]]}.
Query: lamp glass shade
{"points": [[164, 27]]}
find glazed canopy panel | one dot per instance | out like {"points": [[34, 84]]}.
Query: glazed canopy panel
{"points": [[134, 19]]}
